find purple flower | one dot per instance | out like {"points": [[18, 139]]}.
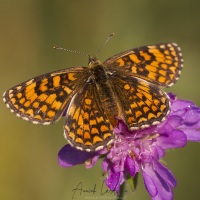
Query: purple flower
{"points": [[142, 150]]}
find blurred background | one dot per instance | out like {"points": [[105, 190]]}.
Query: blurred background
{"points": [[28, 31]]}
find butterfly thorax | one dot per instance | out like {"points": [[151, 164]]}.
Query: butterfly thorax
{"points": [[101, 78]]}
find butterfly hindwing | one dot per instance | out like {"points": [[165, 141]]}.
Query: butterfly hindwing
{"points": [[87, 126], [43, 99], [140, 104]]}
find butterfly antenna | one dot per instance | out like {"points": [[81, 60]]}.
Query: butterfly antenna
{"points": [[108, 38], [69, 50]]}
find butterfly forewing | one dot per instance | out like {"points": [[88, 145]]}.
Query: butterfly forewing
{"points": [[43, 99], [160, 64]]}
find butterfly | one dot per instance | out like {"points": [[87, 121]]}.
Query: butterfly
{"points": [[127, 85]]}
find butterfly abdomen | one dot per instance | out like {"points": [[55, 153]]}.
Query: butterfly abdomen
{"points": [[105, 93]]}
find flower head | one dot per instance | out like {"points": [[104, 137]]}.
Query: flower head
{"points": [[142, 150]]}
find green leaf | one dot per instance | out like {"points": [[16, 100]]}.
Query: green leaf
{"points": [[133, 181]]}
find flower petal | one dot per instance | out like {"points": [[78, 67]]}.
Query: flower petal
{"points": [[191, 116], [131, 166], [158, 181], [192, 134], [69, 156], [105, 165], [174, 139], [149, 184], [121, 127], [164, 173], [112, 180], [180, 104]]}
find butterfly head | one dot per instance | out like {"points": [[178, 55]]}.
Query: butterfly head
{"points": [[93, 61]]}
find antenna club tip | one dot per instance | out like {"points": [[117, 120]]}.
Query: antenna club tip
{"points": [[55, 47], [111, 35]]}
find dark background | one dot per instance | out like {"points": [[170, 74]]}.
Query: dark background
{"points": [[28, 31]]}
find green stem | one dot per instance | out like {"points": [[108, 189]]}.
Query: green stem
{"points": [[122, 191]]}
